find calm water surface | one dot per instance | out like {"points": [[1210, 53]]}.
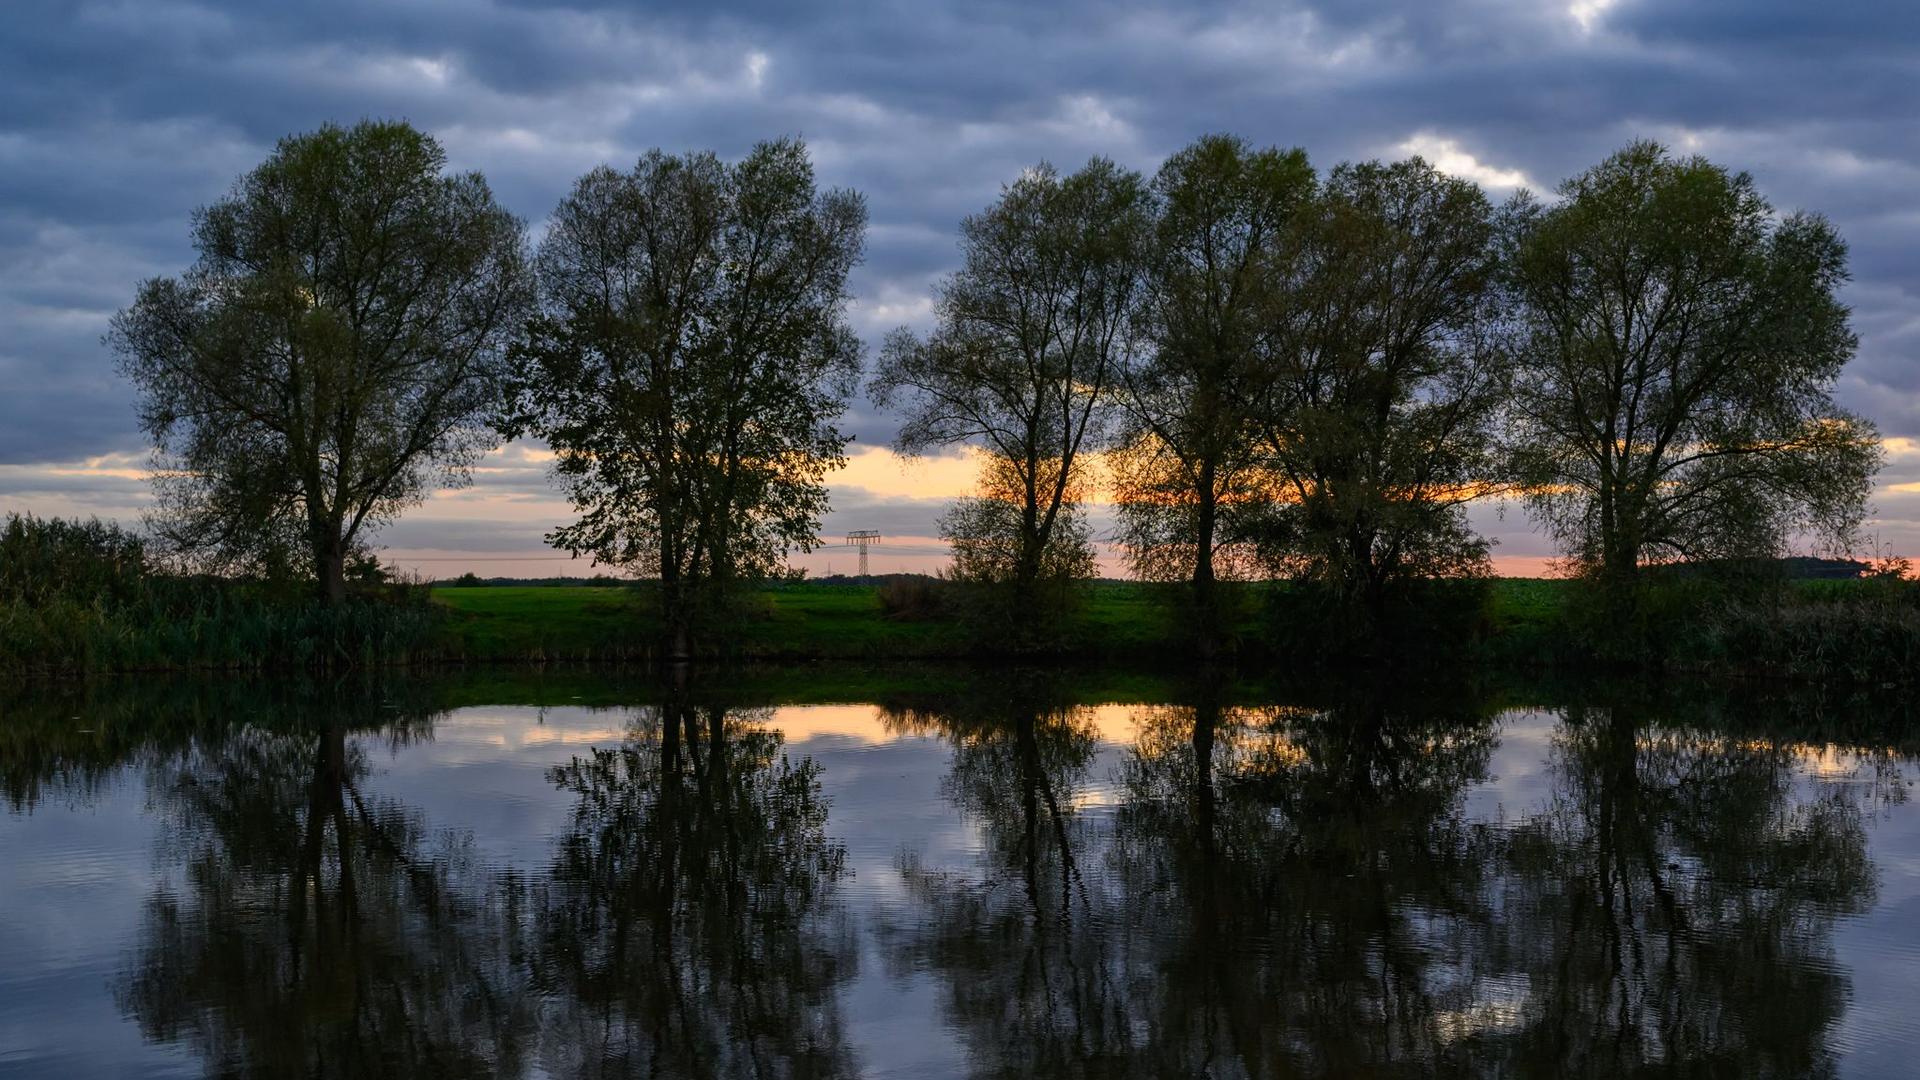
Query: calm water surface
{"points": [[972, 875]]}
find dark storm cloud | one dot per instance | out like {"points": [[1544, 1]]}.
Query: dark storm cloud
{"points": [[118, 118]]}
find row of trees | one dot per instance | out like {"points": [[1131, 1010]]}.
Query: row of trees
{"points": [[1315, 375], [360, 327], [1286, 372]]}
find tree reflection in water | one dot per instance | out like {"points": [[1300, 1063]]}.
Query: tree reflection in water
{"points": [[1297, 891], [686, 929], [1281, 890], [1673, 908], [310, 927], [313, 929], [1023, 961]]}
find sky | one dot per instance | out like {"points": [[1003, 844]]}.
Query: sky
{"points": [[119, 117]]}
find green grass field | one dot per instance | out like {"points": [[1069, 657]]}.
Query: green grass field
{"points": [[788, 621], [609, 623], [810, 620]]}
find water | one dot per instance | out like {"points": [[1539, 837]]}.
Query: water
{"points": [[953, 874]]}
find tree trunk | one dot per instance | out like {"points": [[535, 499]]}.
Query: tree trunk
{"points": [[677, 636], [1206, 615], [676, 633], [1365, 586], [330, 566]]}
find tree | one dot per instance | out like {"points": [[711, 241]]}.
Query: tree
{"points": [[332, 353], [985, 535], [1031, 332], [1186, 468], [1679, 345], [689, 364], [1379, 423]]}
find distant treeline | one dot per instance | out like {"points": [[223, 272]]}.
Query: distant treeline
{"points": [[1286, 374]]}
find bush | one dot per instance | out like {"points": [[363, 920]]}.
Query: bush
{"points": [[83, 596], [913, 597], [1002, 614], [1423, 622], [1862, 631], [47, 561]]}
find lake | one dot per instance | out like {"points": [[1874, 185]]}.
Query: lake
{"points": [[954, 872]]}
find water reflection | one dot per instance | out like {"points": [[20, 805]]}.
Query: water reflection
{"points": [[1231, 884], [306, 927], [1675, 903], [685, 929], [1296, 891], [1262, 902]]}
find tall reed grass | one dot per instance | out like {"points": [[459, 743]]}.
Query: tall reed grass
{"points": [[87, 596], [1865, 631]]}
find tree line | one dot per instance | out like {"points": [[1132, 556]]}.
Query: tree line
{"points": [[1275, 372]]}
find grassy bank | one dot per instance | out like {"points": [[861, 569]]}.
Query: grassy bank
{"points": [[1851, 631], [807, 620], [80, 598], [791, 621], [1860, 631]]}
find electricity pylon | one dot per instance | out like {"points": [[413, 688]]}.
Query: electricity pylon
{"points": [[863, 539]]}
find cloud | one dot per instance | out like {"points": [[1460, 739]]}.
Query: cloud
{"points": [[1446, 155], [1588, 12]]}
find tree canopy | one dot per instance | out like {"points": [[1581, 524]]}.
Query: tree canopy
{"points": [[690, 362], [1030, 335], [332, 354], [1679, 344]]}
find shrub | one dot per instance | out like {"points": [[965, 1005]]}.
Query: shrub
{"points": [[84, 596], [913, 597], [1422, 622], [1861, 631]]}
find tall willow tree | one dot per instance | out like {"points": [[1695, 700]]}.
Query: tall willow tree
{"points": [[1025, 357], [1680, 344], [1186, 464], [332, 354], [1379, 423], [689, 365]]}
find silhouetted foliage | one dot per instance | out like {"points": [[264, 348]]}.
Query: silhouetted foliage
{"points": [[87, 596], [1678, 347], [1008, 603], [331, 356], [914, 596], [1030, 336], [690, 363]]}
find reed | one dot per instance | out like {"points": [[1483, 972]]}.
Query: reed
{"points": [[88, 596], [1865, 631]]}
